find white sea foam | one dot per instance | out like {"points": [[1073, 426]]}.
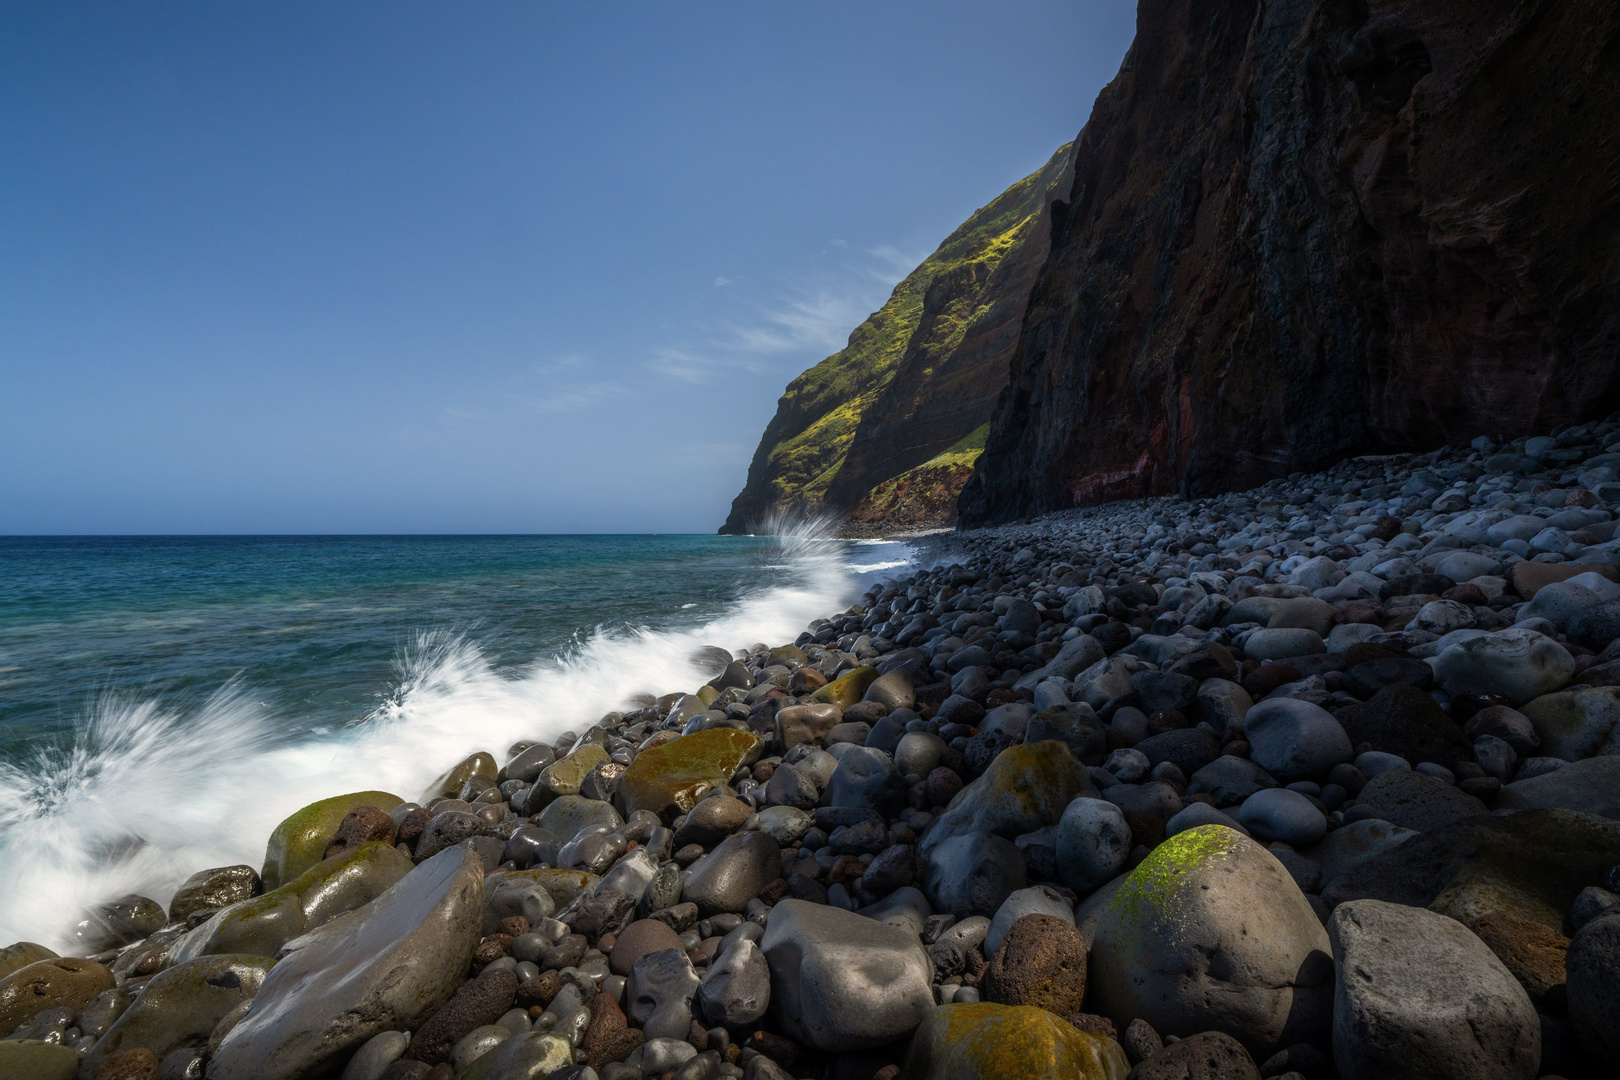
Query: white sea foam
{"points": [[148, 795]]}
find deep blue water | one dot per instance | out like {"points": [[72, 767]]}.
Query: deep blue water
{"points": [[172, 698]]}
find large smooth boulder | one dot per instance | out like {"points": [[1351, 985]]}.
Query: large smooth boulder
{"points": [[181, 1006], [262, 925], [973, 873], [1593, 988], [1419, 997], [61, 982], [733, 873], [1210, 933], [1577, 724], [448, 785], [1295, 740], [840, 981], [1531, 865], [1518, 663], [299, 842], [1591, 786], [1025, 788], [387, 966], [674, 776], [984, 1041]]}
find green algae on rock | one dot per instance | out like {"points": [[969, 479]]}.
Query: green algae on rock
{"points": [[674, 776], [299, 842], [1026, 787], [989, 1042], [60, 982], [847, 689], [30, 1060], [565, 775], [450, 784]]}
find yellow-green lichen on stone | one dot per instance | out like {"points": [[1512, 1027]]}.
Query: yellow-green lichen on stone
{"points": [[790, 656], [564, 776], [522, 1057], [1153, 884], [707, 694], [992, 1042], [1026, 787], [299, 842], [848, 688], [676, 775], [450, 784]]}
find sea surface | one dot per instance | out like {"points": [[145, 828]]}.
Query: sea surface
{"points": [[165, 701]]}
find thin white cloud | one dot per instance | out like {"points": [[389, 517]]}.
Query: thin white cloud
{"points": [[721, 282]]}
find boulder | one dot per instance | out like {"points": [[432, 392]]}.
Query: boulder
{"points": [[972, 873], [1093, 843], [387, 966], [1025, 788], [570, 816], [1576, 724], [181, 1006], [674, 776], [984, 1041], [659, 993], [1295, 740], [299, 842], [566, 775], [799, 725], [733, 873], [1518, 663], [1418, 996], [1041, 961], [736, 990], [1415, 801], [61, 982], [848, 688], [1209, 1055], [1035, 900], [894, 690], [1402, 719], [533, 1056], [1229, 780], [1282, 814], [1210, 933], [20, 955], [841, 982], [209, 889], [1593, 969], [1591, 786], [30, 1060], [866, 779], [480, 765]]}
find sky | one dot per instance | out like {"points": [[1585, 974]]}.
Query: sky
{"points": [[506, 267]]}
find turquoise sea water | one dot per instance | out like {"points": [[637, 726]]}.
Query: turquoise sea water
{"points": [[164, 701]]}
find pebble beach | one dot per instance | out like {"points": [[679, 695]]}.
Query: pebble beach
{"points": [[1318, 780]]}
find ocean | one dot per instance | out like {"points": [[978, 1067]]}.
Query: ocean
{"points": [[165, 701]]}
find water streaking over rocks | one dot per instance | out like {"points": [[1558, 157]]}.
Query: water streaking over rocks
{"points": [[131, 793]]}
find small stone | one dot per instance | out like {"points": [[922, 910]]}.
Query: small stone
{"points": [[637, 940], [660, 994], [1281, 814]]}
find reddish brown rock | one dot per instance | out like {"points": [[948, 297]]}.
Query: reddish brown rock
{"points": [[1042, 962], [138, 1063], [482, 1001], [1532, 953], [362, 825], [607, 1021], [1296, 233], [637, 940]]}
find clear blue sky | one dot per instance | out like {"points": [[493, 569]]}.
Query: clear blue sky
{"points": [[400, 267]]}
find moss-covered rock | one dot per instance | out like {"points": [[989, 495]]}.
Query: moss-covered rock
{"points": [[262, 925], [674, 776], [848, 688], [565, 775], [299, 842], [1026, 787], [30, 1060], [1210, 933], [61, 982], [181, 1006], [790, 656], [450, 784], [990, 1042], [20, 955], [1530, 865]]}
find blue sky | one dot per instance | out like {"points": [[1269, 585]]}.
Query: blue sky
{"points": [[401, 267]]}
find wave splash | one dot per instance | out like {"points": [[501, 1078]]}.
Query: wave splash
{"points": [[148, 794]]}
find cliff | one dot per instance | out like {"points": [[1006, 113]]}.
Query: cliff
{"points": [[1300, 229], [884, 433]]}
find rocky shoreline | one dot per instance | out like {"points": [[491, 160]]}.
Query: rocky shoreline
{"points": [[1321, 779]]}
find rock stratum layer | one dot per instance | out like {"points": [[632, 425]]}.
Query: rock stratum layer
{"points": [[885, 432], [1299, 230]]}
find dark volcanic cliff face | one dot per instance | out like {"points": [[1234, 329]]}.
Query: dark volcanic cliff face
{"points": [[1306, 228]]}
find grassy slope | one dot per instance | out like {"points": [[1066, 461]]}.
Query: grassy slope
{"points": [[804, 445]]}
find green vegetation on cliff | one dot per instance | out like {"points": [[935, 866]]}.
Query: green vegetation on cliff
{"points": [[915, 384]]}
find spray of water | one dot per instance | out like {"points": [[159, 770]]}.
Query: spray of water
{"points": [[147, 795]]}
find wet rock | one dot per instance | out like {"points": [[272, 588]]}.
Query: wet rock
{"points": [[637, 940], [362, 825], [566, 775], [784, 824], [712, 820], [983, 1040], [660, 992], [118, 922], [58, 983], [569, 817], [805, 725], [389, 965], [1418, 995], [847, 689], [300, 841], [480, 767], [475, 1044], [480, 1002], [674, 776], [894, 690], [533, 1056], [181, 1006], [38, 1061], [1211, 933], [1028, 787], [528, 764], [1295, 740], [734, 873], [379, 1052], [20, 955], [209, 889], [841, 982], [736, 990]]}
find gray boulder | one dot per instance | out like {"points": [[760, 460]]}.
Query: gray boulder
{"points": [[1035, 900], [1210, 933], [736, 990], [733, 873], [1591, 786], [1593, 968], [179, 1007], [1093, 842], [660, 992], [1418, 996], [1518, 663], [386, 966], [1295, 740], [1576, 724], [842, 982], [973, 873]]}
